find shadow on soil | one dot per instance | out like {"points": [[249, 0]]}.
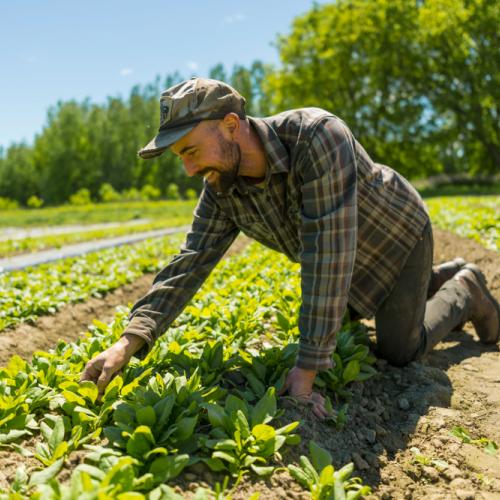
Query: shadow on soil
{"points": [[385, 411]]}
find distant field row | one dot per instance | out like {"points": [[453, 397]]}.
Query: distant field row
{"points": [[475, 217], [13, 247], [28, 294]]}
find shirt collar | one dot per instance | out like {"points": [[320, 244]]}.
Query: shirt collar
{"points": [[277, 156]]}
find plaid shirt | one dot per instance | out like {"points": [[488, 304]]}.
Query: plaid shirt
{"points": [[351, 223]]}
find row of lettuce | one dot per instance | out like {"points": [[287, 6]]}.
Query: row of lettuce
{"points": [[204, 398], [25, 295]]}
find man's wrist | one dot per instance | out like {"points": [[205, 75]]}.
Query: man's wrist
{"points": [[306, 373], [131, 342]]}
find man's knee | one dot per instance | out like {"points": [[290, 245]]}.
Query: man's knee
{"points": [[399, 348], [396, 358]]}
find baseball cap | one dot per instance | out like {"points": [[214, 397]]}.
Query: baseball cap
{"points": [[186, 104]]}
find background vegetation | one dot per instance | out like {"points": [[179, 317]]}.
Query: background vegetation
{"points": [[418, 83]]}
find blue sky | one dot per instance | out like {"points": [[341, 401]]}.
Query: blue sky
{"points": [[60, 50]]}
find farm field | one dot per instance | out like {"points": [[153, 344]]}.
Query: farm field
{"points": [[424, 429], [476, 217], [95, 213], [24, 295], [155, 215], [18, 246]]}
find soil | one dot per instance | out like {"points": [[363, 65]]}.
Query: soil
{"points": [[398, 431]]}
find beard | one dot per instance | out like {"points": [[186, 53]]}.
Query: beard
{"points": [[227, 173]]}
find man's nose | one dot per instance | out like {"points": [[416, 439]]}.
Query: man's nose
{"points": [[190, 167]]}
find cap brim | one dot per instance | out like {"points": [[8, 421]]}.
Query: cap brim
{"points": [[164, 140]]}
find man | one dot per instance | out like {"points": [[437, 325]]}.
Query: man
{"points": [[300, 183]]}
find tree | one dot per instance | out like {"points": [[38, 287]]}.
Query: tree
{"points": [[384, 67], [18, 175], [460, 76]]}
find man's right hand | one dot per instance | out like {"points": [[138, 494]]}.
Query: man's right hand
{"points": [[103, 367]]}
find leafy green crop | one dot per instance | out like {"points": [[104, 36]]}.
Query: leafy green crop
{"points": [[241, 438], [489, 446], [352, 361], [476, 217], [25, 295], [204, 395]]}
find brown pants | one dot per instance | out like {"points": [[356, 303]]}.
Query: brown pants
{"points": [[408, 325]]}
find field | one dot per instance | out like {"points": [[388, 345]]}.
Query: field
{"points": [[200, 416], [476, 217], [128, 218]]}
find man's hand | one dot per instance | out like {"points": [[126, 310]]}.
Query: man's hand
{"points": [[299, 384], [103, 367]]}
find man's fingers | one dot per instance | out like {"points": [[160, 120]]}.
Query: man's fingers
{"points": [[320, 412], [104, 379], [91, 372], [318, 398]]}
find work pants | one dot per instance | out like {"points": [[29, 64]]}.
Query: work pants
{"points": [[408, 325]]}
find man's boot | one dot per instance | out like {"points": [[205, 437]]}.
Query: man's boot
{"points": [[484, 309], [442, 273]]}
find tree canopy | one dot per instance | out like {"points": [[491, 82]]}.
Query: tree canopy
{"points": [[417, 81]]}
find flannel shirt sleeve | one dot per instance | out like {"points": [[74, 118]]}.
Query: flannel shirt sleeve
{"points": [[328, 236], [211, 234]]}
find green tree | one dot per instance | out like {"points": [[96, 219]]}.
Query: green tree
{"points": [[64, 154], [385, 66], [459, 72], [18, 174]]}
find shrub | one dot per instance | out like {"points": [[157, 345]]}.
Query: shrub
{"points": [[8, 204], [131, 194], [107, 193], [191, 194], [81, 197], [149, 192], [173, 192], [34, 202]]}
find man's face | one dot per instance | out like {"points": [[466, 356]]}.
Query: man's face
{"points": [[207, 153]]}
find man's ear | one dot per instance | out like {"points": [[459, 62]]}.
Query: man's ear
{"points": [[232, 123]]}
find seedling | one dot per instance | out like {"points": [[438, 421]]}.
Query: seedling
{"points": [[489, 446], [322, 480]]}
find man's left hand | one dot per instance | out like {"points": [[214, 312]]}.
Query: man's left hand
{"points": [[299, 384]]}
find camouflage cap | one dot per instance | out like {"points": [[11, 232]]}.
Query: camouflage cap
{"points": [[186, 104]]}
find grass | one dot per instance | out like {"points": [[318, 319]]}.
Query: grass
{"points": [[96, 213]]}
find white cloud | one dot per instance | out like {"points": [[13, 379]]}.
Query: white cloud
{"points": [[126, 71], [235, 18], [192, 65]]}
